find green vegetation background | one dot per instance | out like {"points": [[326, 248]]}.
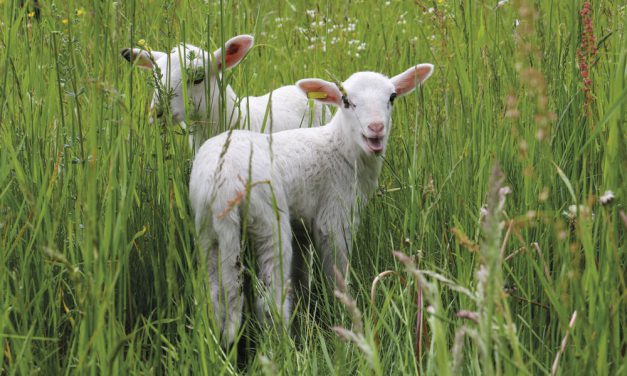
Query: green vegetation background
{"points": [[98, 271]]}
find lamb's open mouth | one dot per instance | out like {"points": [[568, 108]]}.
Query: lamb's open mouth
{"points": [[375, 144]]}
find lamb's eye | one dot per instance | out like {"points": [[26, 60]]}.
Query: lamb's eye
{"points": [[347, 102], [199, 80], [195, 75], [392, 97]]}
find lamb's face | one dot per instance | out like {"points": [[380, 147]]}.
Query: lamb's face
{"points": [[366, 103], [368, 109], [180, 76], [186, 70]]}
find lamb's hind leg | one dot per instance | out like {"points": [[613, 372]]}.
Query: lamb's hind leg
{"points": [[273, 246], [224, 265]]}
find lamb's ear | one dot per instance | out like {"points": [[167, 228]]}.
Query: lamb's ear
{"points": [[236, 48], [406, 82], [140, 57], [321, 90]]}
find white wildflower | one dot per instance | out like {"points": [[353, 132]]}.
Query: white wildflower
{"points": [[607, 197], [504, 191], [571, 213], [483, 212]]}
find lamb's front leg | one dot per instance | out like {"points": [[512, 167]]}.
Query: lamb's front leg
{"points": [[333, 240], [273, 246]]}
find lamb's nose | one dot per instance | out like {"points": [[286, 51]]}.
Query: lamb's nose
{"points": [[376, 127]]}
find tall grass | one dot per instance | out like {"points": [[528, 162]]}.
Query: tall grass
{"points": [[98, 270]]}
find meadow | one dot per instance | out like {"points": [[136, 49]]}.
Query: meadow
{"points": [[492, 246]]}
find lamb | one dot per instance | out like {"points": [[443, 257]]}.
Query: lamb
{"points": [[315, 176], [289, 107]]}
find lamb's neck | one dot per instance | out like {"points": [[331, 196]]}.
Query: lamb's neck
{"points": [[365, 167], [232, 107], [233, 110], [209, 124]]}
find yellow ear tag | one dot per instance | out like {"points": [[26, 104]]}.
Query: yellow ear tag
{"points": [[316, 95]]}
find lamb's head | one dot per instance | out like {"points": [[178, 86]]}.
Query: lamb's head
{"points": [[187, 73], [365, 103]]}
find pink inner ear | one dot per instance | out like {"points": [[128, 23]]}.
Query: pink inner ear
{"points": [[138, 57], [407, 81], [320, 86], [236, 51], [144, 61], [423, 72]]}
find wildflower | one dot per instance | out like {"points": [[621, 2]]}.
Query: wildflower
{"points": [[501, 3], [142, 43], [31, 14], [80, 12], [65, 21], [468, 315], [512, 107], [571, 213], [483, 212], [503, 191], [586, 53], [607, 197]]}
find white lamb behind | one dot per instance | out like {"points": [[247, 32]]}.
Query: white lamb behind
{"points": [[289, 107], [314, 175]]}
